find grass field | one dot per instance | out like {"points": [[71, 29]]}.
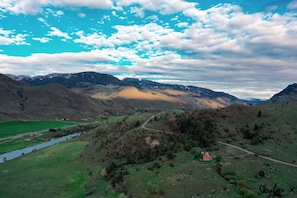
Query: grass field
{"points": [[51, 172], [180, 177], [14, 128], [14, 144]]}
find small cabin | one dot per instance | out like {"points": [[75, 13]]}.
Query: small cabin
{"points": [[206, 157]]}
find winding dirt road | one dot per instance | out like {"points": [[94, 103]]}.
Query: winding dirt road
{"points": [[261, 156], [223, 143]]}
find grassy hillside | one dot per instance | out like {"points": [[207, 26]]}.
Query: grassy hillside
{"points": [[158, 154], [165, 162]]}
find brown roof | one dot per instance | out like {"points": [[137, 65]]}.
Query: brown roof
{"points": [[206, 157]]}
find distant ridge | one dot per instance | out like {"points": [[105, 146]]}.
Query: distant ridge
{"points": [[71, 80], [197, 90], [288, 94], [291, 90]]}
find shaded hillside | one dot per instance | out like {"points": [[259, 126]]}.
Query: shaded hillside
{"points": [[52, 101], [10, 91], [287, 95]]}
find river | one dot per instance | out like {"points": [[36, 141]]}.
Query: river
{"points": [[17, 153]]}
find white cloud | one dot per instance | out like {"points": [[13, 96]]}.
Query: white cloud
{"points": [[41, 40], [104, 4], [139, 12], [24, 6], [5, 32], [56, 32], [182, 24], [49, 63], [125, 35], [9, 37], [106, 17], [42, 20], [97, 40], [165, 7], [82, 15], [33, 6], [57, 13], [153, 18]]}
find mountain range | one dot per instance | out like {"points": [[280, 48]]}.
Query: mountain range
{"points": [[87, 80], [88, 94], [92, 82]]}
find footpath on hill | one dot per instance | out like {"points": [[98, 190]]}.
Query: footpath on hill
{"points": [[223, 143]]}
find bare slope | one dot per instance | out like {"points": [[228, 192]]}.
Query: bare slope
{"points": [[134, 93]]}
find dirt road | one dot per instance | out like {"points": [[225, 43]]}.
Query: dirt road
{"points": [[226, 144], [261, 156]]}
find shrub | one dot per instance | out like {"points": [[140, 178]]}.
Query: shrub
{"points": [[261, 173], [170, 155]]}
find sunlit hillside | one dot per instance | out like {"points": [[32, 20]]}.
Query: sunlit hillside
{"points": [[134, 93]]}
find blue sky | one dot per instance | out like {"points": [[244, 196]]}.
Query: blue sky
{"points": [[247, 48]]}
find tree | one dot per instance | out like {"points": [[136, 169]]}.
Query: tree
{"points": [[170, 155], [261, 173], [22, 99], [137, 124], [200, 128], [259, 114]]}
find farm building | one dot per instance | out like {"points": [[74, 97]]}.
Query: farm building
{"points": [[206, 157]]}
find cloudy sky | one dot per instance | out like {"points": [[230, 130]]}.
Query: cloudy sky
{"points": [[247, 48]]}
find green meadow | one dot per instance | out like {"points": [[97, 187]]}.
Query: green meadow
{"points": [[18, 127], [14, 144], [51, 172]]}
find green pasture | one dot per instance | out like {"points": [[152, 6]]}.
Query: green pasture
{"points": [[11, 144], [245, 170], [180, 177], [51, 172], [18, 127]]}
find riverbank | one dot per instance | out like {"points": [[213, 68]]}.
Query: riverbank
{"points": [[18, 153], [50, 172]]}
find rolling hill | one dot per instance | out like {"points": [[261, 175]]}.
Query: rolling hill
{"points": [[52, 101], [252, 146]]}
